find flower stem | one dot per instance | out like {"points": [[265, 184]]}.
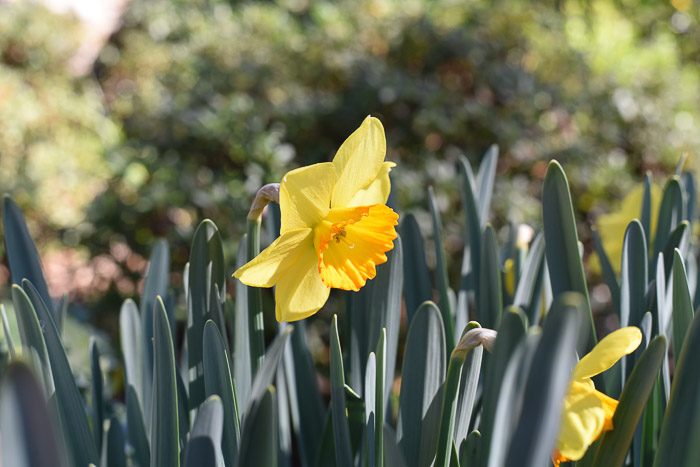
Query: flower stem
{"points": [[256, 329]]}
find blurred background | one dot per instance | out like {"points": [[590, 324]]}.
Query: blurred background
{"points": [[124, 121]]}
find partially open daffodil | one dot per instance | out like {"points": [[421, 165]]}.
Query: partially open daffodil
{"points": [[588, 412], [336, 227]]}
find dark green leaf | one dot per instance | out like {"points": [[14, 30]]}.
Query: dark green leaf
{"points": [[31, 335], [218, 381], [341, 433], [473, 222], [548, 379], [304, 397], [28, 435], [615, 443], [527, 294], [417, 286], [682, 314], [22, 257], [204, 445], [441, 271], [97, 393], [678, 443], [510, 334], [423, 372], [165, 449], [71, 405], [113, 450], [489, 298], [561, 244], [671, 212], [469, 449], [256, 332], [242, 369], [136, 429], [258, 438], [645, 215], [206, 271], [132, 342]]}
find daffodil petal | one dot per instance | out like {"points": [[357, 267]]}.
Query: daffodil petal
{"points": [[352, 242], [582, 421], [377, 192], [305, 195], [608, 351], [359, 161], [301, 293], [264, 270]]}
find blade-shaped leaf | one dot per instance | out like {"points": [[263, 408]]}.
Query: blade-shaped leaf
{"points": [[678, 445], [258, 440], [22, 256], [206, 271], [204, 445], [31, 335], [217, 381], [242, 367], [547, 382], [682, 314], [417, 286], [489, 297], [155, 284], [136, 429], [615, 443], [130, 333], [470, 279], [6, 332], [423, 372], [28, 435], [71, 406], [561, 243], [97, 392], [485, 180], [165, 448], [671, 212], [441, 271], [510, 333], [634, 278], [304, 397], [341, 433], [527, 293], [113, 449]]}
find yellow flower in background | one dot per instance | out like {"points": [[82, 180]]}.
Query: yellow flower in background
{"points": [[336, 227], [588, 412], [612, 226]]}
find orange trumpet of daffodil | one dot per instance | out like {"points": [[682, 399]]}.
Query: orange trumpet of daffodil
{"points": [[335, 227], [588, 412]]}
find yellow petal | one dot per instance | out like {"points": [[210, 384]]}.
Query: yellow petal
{"points": [[359, 161], [609, 405], [351, 242], [301, 293], [608, 351], [582, 421], [305, 195], [376, 192], [265, 269]]}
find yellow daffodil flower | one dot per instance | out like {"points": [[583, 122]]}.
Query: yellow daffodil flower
{"points": [[588, 412], [336, 227], [612, 226]]}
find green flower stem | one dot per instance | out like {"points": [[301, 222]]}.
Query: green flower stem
{"points": [[256, 327], [450, 395]]}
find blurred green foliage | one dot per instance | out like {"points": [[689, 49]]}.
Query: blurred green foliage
{"points": [[191, 106]]}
